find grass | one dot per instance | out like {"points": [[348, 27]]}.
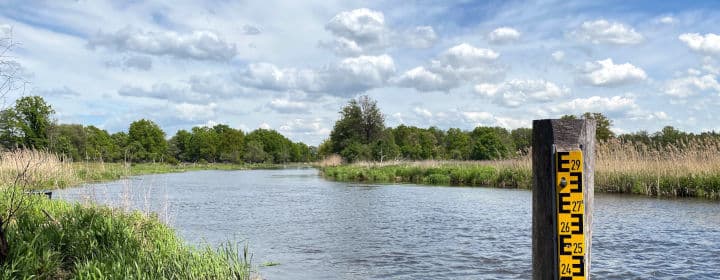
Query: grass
{"points": [[49, 171], [688, 169], [52, 239], [73, 241], [496, 174]]}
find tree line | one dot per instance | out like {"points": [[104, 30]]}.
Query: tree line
{"points": [[29, 124], [361, 135]]}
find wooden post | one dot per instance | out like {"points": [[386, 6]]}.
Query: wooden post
{"points": [[563, 161]]}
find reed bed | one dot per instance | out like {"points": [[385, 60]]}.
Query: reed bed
{"points": [[689, 168]]}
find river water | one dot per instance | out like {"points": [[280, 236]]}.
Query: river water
{"points": [[317, 229]]}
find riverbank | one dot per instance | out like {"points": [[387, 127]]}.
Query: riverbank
{"points": [[41, 170], [52, 239], [693, 171]]}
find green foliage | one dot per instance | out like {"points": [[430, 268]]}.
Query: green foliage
{"points": [[466, 174], [146, 141], [602, 132], [255, 152], [490, 143], [276, 146], [27, 124], [97, 242], [522, 139], [361, 126]]}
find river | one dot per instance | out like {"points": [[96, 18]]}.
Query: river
{"points": [[318, 229]]}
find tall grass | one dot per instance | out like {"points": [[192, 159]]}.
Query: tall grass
{"points": [[37, 168], [685, 169], [44, 170], [59, 240], [52, 239]]}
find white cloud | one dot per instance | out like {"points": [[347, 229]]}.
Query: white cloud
{"points": [[64, 91], [201, 45], [251, 30], [304, 127], [136, 62], [421, 37], [667, 20], [164, 91], [454, 67], [264, 126], [286, 106], [357, 31], [558, 55], [515, 93], [422, 112], [477, 117], [504, 35], [5, 31], [606, 73], [605, 32], [615, 105], [268, 76], [195, 112], [466, 55], [422, 79], [706, 44], [690, 85], [345, 78]]}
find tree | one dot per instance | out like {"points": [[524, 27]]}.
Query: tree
{"points": [[522, 139], [457, 144], [27, 124], [255, 152], [146, 141], [275, 145], [385, 148], [100, 145], [360, 123], [69, 140], [602, 132], [179, 145], [230, 143], [487, 144]]}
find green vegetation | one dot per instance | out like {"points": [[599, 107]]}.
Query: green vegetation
{"points": [[58, 240], [666, 163], [621, 167], [360, 135], [28, 125], [455, 173]]}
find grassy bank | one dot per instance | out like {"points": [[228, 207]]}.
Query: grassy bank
{"points": [[73, 241], [44, 170], [52, 239], [692, 169]]}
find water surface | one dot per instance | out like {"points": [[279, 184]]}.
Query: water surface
{"points": [[317, 229]]}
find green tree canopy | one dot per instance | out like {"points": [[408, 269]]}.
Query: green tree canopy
{"points": [[360, 126], [27, 124], [146, 141]]}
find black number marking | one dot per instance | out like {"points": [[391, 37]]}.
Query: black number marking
{"points": [[576, 205], [564, 227], [575, 164]]}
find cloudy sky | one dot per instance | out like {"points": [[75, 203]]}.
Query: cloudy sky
{"points": [[291, 65]]}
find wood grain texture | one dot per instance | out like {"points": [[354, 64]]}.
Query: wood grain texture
{"points": [[564, 135]]}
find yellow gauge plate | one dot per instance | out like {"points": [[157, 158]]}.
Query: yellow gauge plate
{"points": [[570, 215]]}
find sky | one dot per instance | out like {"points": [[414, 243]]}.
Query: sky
{"points": [[292, 65]]}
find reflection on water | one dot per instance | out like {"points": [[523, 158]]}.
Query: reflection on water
{"points": [[318, 229]]}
